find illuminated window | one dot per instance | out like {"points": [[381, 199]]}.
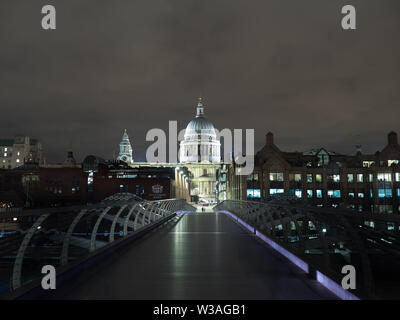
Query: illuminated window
{"points": [[17, 160], [274, 191], [385, 193], [334, 177], [276, 176], [318, 193], [397, 175], [250, 177], [296, 192], [350, 177], [253, 193], [390, 226], [309, 177], [360, 177], [318, 177], [394, 162], [360, 195], [368, 164], [371, 177], [386, 177], [333, 193], [351, 194], [310, 192], [295, 177]]}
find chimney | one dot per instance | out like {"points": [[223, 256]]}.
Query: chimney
{"points": [[270, 139], [392, 138]]}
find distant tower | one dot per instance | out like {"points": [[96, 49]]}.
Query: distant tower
{"points": [[70, 158], [125, 149]]}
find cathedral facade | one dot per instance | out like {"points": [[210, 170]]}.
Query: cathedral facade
{"points": [[200, 152]]}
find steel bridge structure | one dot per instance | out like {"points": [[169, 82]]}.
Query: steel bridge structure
{"points": [[128, 248]]}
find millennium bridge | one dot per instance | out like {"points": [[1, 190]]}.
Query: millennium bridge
{"points": [[128, 248]]}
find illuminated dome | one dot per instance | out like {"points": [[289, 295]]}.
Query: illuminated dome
{"points": [[200, 143], [198, 124]]}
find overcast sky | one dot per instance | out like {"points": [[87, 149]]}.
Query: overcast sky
{"points": [[272, 65]]}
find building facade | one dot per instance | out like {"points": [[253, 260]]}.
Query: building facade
{"points": [[200, 153], [361, 182], [20, 150], [147, 181]]}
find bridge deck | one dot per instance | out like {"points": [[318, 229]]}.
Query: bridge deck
{"points": [[196, 256]]}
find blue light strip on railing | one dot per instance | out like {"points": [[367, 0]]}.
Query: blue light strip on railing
{"points": [[334, 287], [297, 261], [320, 277]]}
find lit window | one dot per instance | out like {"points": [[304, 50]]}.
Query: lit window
{"points": [[253, 193], [334, 177], [360, 177], [17, 160], [276, 176], [360, 195], [334, 193], [371, 177], [296, 192], [295, 177], [394, 162], [318, 193], [351, 194], [310, 192], [384, 193], [397, 176], [390, 226], [309, 177], [318, 177], [274, 191], [368, 164], [387, 177], [350, 177]]}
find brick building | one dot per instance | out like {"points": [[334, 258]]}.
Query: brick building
{"points": [[148, 181], [362, 182]]}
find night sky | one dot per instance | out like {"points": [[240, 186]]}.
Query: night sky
{"points": [[272, 65]]}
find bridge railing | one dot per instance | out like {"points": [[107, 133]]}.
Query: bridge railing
{"points": [[62, 236], [326, 240]]}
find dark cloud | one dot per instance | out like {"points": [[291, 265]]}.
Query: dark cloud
{"points": [[278, 65]]}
